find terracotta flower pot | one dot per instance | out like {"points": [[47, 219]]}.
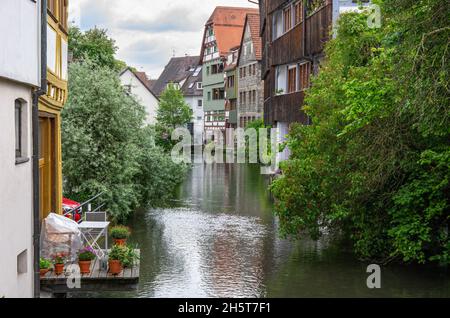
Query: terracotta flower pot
{"points": [[44, 271], [120, 242], [85, 267], [115, 267], [59, 269]]}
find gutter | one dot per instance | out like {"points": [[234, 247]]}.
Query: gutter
{"points": [[42, 90]]}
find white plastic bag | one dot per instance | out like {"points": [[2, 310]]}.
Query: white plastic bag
{"points": [[60, 235]]}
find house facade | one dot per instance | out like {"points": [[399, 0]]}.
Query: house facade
{"points": [[50, 107], [193, 95], [186, 74], [20, 78], [223, 32], [138, 85], [231, 92], [294, 33], [250, 94]]}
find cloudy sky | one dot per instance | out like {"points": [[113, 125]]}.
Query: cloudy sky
{"points": [[149, 32]]}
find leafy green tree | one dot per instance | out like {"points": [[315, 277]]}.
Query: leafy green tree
{"points": [[105, 147], [158, 176], [100, 125], [95, 45], [374, 166], [173, 112]]}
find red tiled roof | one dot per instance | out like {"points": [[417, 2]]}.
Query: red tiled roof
{"points": [[228, 24], [143, 78], [253, 21]]}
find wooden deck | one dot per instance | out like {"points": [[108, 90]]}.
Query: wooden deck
{"points": [[97, 280]]}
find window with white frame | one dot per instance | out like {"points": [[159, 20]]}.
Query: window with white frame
{"points": [[277, 24], [281, 80], [20, 127]]}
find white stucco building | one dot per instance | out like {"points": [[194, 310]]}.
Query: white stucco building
{"points": [[20, 26], [186, 74], [138, 85]]}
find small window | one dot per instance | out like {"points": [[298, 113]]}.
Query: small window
{"points": [[22, 262], [19, 128], [200, 103], [287, 19], [127, 89], [63, 7], [305, 75], [298, 12], [230, 81], [199, 85], [217, 68], [218, 94], [292, 80]]}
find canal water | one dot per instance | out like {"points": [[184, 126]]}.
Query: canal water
{"points": [[220, 239]]}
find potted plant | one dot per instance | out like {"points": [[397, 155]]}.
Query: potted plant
{"points": [[120, 234], [115, 258], [85, 257], [45, 265], [58, 263], [130, 257]]}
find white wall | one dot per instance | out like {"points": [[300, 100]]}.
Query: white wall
{"points": [[143, 96], [198, 123], [16, 210], [283, 131], [20, 41]]}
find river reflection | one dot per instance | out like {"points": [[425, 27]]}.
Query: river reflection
{"points": [[220, 239]]}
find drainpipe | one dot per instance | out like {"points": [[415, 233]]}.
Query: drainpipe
{"points": [[304, 28], [35, 132]]}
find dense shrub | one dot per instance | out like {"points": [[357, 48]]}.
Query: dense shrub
{"points": [[374, 166]]}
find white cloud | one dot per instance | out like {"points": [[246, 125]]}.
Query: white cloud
{"points": [[149, 32]]}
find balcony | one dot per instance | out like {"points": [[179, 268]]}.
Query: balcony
{"points": [[275, 4], [297, 43], [285, 108], [288, 47]]}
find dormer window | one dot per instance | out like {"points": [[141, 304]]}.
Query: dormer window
{"points": [[199, 85]]}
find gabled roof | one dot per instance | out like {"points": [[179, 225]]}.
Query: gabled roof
{"points": [[142, 77], [190, 86], [177, 70], [253, 21], [228, 23]]}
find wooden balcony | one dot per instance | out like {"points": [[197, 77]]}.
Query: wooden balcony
{"points": [[273, 5], [289, 47], [304, 40], [285, 108], [318, 28]]}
